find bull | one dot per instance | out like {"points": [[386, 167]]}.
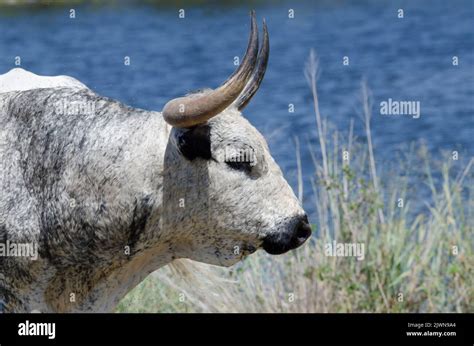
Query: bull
{"points": [[107, 194]]}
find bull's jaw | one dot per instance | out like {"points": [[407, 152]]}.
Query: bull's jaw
{"points": [[220, 252]]}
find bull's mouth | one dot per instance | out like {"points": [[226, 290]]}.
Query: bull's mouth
{"points": [[248, 249], [279, 243]]}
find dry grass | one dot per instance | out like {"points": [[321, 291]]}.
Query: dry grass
{"points": [[410, 264]]}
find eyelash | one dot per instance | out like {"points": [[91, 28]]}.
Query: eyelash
{"points": [[240, 166]]}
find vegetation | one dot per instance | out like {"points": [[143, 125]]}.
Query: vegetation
{"points": [[417, 258]]}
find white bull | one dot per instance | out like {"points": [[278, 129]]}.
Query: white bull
{"points": [[106, 193]]}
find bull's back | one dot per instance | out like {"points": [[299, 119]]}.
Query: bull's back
{"points": [[18, 79]]}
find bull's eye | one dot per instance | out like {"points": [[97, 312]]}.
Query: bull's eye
{"points": [[244, 166]]}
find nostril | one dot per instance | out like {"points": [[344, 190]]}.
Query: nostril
{"points": [[303, 230], [277, 243], [305, 219]]}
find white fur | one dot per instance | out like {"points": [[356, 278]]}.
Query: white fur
{"points": [[225, 209], [18, 79]]}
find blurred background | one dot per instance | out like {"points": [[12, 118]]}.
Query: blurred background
{"points": [[402, 59]]}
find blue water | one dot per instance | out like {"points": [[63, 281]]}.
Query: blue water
{"points": [[402, 59]]}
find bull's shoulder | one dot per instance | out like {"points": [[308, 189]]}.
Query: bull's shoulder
{"points": [[19, 79]]}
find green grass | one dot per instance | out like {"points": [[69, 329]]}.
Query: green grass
{"points": [[410, 265]]}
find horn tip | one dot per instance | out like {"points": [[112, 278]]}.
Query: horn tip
{"points": [[253, 19]]}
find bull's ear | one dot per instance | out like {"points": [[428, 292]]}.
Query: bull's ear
{"points": [[195, 142]]}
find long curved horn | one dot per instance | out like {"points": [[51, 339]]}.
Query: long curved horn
{"points": [[257, 76], [192, 110]]}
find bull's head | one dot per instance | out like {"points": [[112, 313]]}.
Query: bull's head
{"points": [[219, 171]]}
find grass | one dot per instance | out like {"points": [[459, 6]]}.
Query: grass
{"points": [[418, 251]]}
